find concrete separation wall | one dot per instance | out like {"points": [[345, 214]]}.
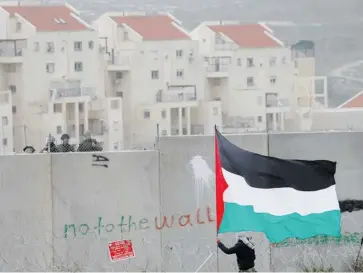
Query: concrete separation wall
{"points": [[95, 203], [60, 211], [25, 213]]}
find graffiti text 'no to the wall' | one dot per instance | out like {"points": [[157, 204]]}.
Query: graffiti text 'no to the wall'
{"points": [[129, 223]]}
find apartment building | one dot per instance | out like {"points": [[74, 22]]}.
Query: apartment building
{"points": [[250, 71], [51, 61], [310, 90], [157, 69]]}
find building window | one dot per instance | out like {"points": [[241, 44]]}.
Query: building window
{"points": [[5, 142], [163, 114], [191, 54], [250, 62], [259, 118], [5, 120], [126, 36], [14, 109], [81, 107], [154, 74], [78, 66], [12, 88], [219, 39], [250, 81], [215, 111], [119, 75], [183, 112], [146, 114], [50, 47], [239, 62], [164, 132], [59, 130], [10, 68], [283, 60], [179, 54], [18, 27], [50, 67], [90, 44], [180, 73], [119, 94], [273, 79], [273, 61], [217, 82], [115, 104], [77, 46], [57, 108], [36, 46], [154, 54]]}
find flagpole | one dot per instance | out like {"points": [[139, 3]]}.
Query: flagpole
{"points": [[215, 129], [268, 154]]}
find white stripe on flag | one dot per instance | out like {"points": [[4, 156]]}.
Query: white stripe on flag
{"points": [[278, 201]]}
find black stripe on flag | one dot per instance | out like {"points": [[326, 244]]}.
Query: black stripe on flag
{"points": [[268, 172]]}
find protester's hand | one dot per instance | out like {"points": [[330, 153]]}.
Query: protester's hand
{"points": [[218, 241]]}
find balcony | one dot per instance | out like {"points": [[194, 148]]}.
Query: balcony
{"points": [[236, 122], [118, 62], [274, 105], [217, 67], [177, 94], [217, 71], [225, 46], [66, 93], [11, 51]]}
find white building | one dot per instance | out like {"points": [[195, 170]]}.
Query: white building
{"points": [[156, 68], [51, 61], [250, 71]]}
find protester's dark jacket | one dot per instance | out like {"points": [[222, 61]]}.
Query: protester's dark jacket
{"points": [[89, 145], [53, 148], [245, 255], [65, 148]]}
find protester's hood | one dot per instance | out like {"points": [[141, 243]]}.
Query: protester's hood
{"points": [[242, 237]]}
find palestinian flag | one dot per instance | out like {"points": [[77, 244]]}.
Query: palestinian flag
{"points": [[282, 198]]}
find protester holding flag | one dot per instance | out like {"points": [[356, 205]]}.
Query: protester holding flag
{"points": [[244, 250]]}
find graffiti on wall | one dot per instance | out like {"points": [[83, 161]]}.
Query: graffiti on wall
{"points": [[346, 238], [203, 177], [129, 223], [100, 161]]}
